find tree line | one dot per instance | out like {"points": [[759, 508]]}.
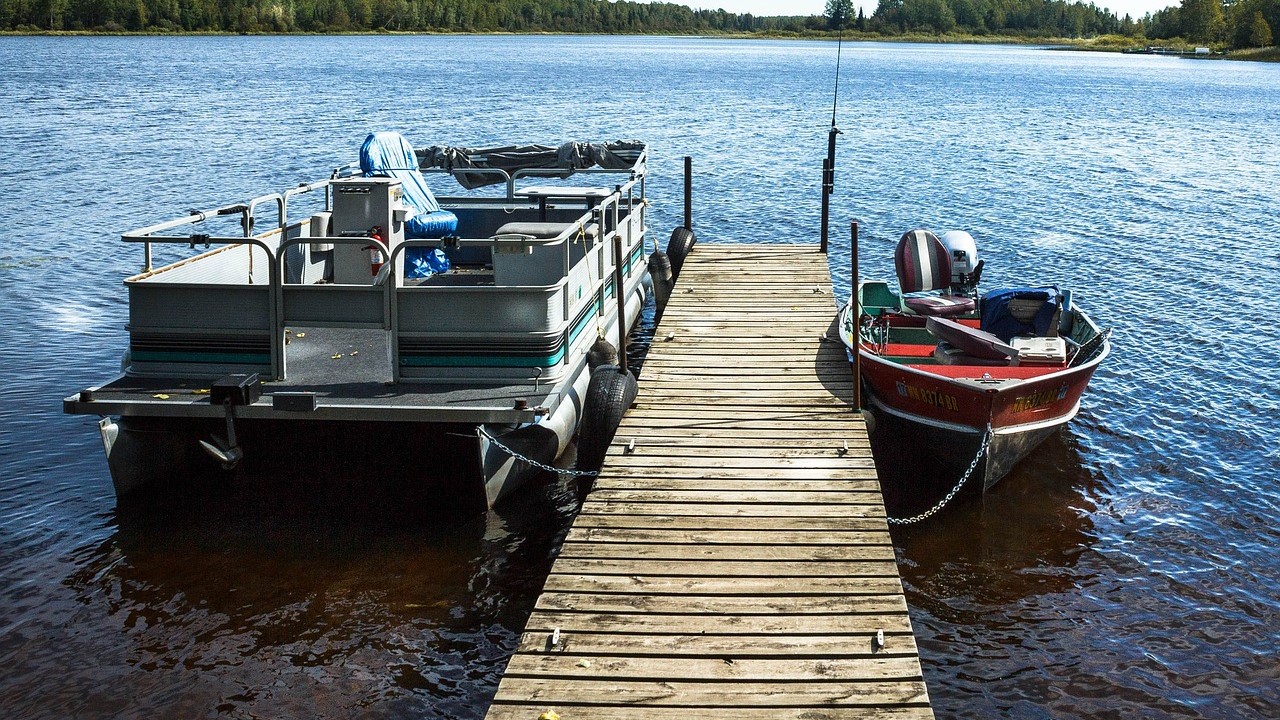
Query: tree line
{"points": [[1230, 23], [1023, 18], [1233, 23], [253, 16], [1036, 18]]}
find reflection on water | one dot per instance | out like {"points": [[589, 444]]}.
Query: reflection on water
{"points": [[1023, 607], [249, 598], [1012, 541]]}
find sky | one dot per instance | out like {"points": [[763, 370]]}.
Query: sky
{"points": [[1136, 8]]}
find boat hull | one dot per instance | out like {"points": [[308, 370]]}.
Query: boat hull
{"points": [[470, 465], [913, 481], [425, 460], [449, 465], [929, 420]]}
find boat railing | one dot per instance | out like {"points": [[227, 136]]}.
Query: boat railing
{"points": [[354, 305], [637, 171]]}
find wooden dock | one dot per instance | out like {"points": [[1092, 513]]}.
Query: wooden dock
{"points": [[733, 559]]}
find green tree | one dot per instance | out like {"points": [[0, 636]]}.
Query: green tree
{"points": [[1202, 20], [932, 15], [1259, 31], [839, 13]]}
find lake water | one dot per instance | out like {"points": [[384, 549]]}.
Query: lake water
{"points": [[1126, 569]]}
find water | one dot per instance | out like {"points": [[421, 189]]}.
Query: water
{"points": [[1126, 569]]}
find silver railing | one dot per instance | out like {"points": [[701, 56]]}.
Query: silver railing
{"points": [[637, 171], [607, 214]]}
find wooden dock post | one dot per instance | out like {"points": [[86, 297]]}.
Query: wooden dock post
{"points": [[733, 559]]}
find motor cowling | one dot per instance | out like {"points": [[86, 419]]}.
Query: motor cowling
{"points": [[965, 265]]}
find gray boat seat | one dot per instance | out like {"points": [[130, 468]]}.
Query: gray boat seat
{"points": [[545, 230]]}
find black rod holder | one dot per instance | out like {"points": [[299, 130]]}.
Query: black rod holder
{"points": [[828, 182], [826, 204]]}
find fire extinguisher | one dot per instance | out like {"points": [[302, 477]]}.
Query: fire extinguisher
{"points": [[375, 253]]}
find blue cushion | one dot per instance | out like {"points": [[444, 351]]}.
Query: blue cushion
{"points": [[999, 321], [388, 154]]}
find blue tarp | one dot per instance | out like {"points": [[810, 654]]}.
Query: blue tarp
{"points": [[997, 320], [388, 154]]}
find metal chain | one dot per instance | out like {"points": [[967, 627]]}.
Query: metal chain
{"points": [[982, 450], [535, 463]]}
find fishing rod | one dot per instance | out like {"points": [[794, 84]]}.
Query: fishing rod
{"points": [[829, 164]]}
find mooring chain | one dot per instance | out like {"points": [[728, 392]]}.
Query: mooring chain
{"points": [[982, 450], [535, 463]]}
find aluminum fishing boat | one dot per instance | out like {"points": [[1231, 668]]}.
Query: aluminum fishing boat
{"points": [[380, 334], [977, 381]]}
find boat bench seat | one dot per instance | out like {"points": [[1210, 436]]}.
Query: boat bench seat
{"points": [[544, 230], [913, 350]]}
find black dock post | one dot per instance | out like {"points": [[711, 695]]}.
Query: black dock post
{"points": [[855, 314], [688, 192], [621, 297]]}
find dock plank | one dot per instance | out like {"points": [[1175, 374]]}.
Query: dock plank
{"points": [[733, 559], [623, 712], [778, 586], [726, 694], [711, 669], [727, 568], [718, 604]]}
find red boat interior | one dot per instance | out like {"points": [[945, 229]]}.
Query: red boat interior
{"points": [[1014, 334]]}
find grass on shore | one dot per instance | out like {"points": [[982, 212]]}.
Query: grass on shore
{"points": [[1269, 54]]}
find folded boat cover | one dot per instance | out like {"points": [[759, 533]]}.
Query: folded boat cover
{"points": [[388, 154], [999, 321], [559, 161]]}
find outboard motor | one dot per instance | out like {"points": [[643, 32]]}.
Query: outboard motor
{"points": [[966, 268]]}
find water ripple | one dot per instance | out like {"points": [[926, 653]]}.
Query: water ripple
{"points": [[1125, 569]]}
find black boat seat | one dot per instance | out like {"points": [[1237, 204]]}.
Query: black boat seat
{"points": [[923, 264]]}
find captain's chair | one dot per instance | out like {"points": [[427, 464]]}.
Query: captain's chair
{"points": [[923, 263], [388, 154]]}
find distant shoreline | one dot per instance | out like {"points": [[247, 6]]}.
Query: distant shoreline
{"points": [[1112, 44]]}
